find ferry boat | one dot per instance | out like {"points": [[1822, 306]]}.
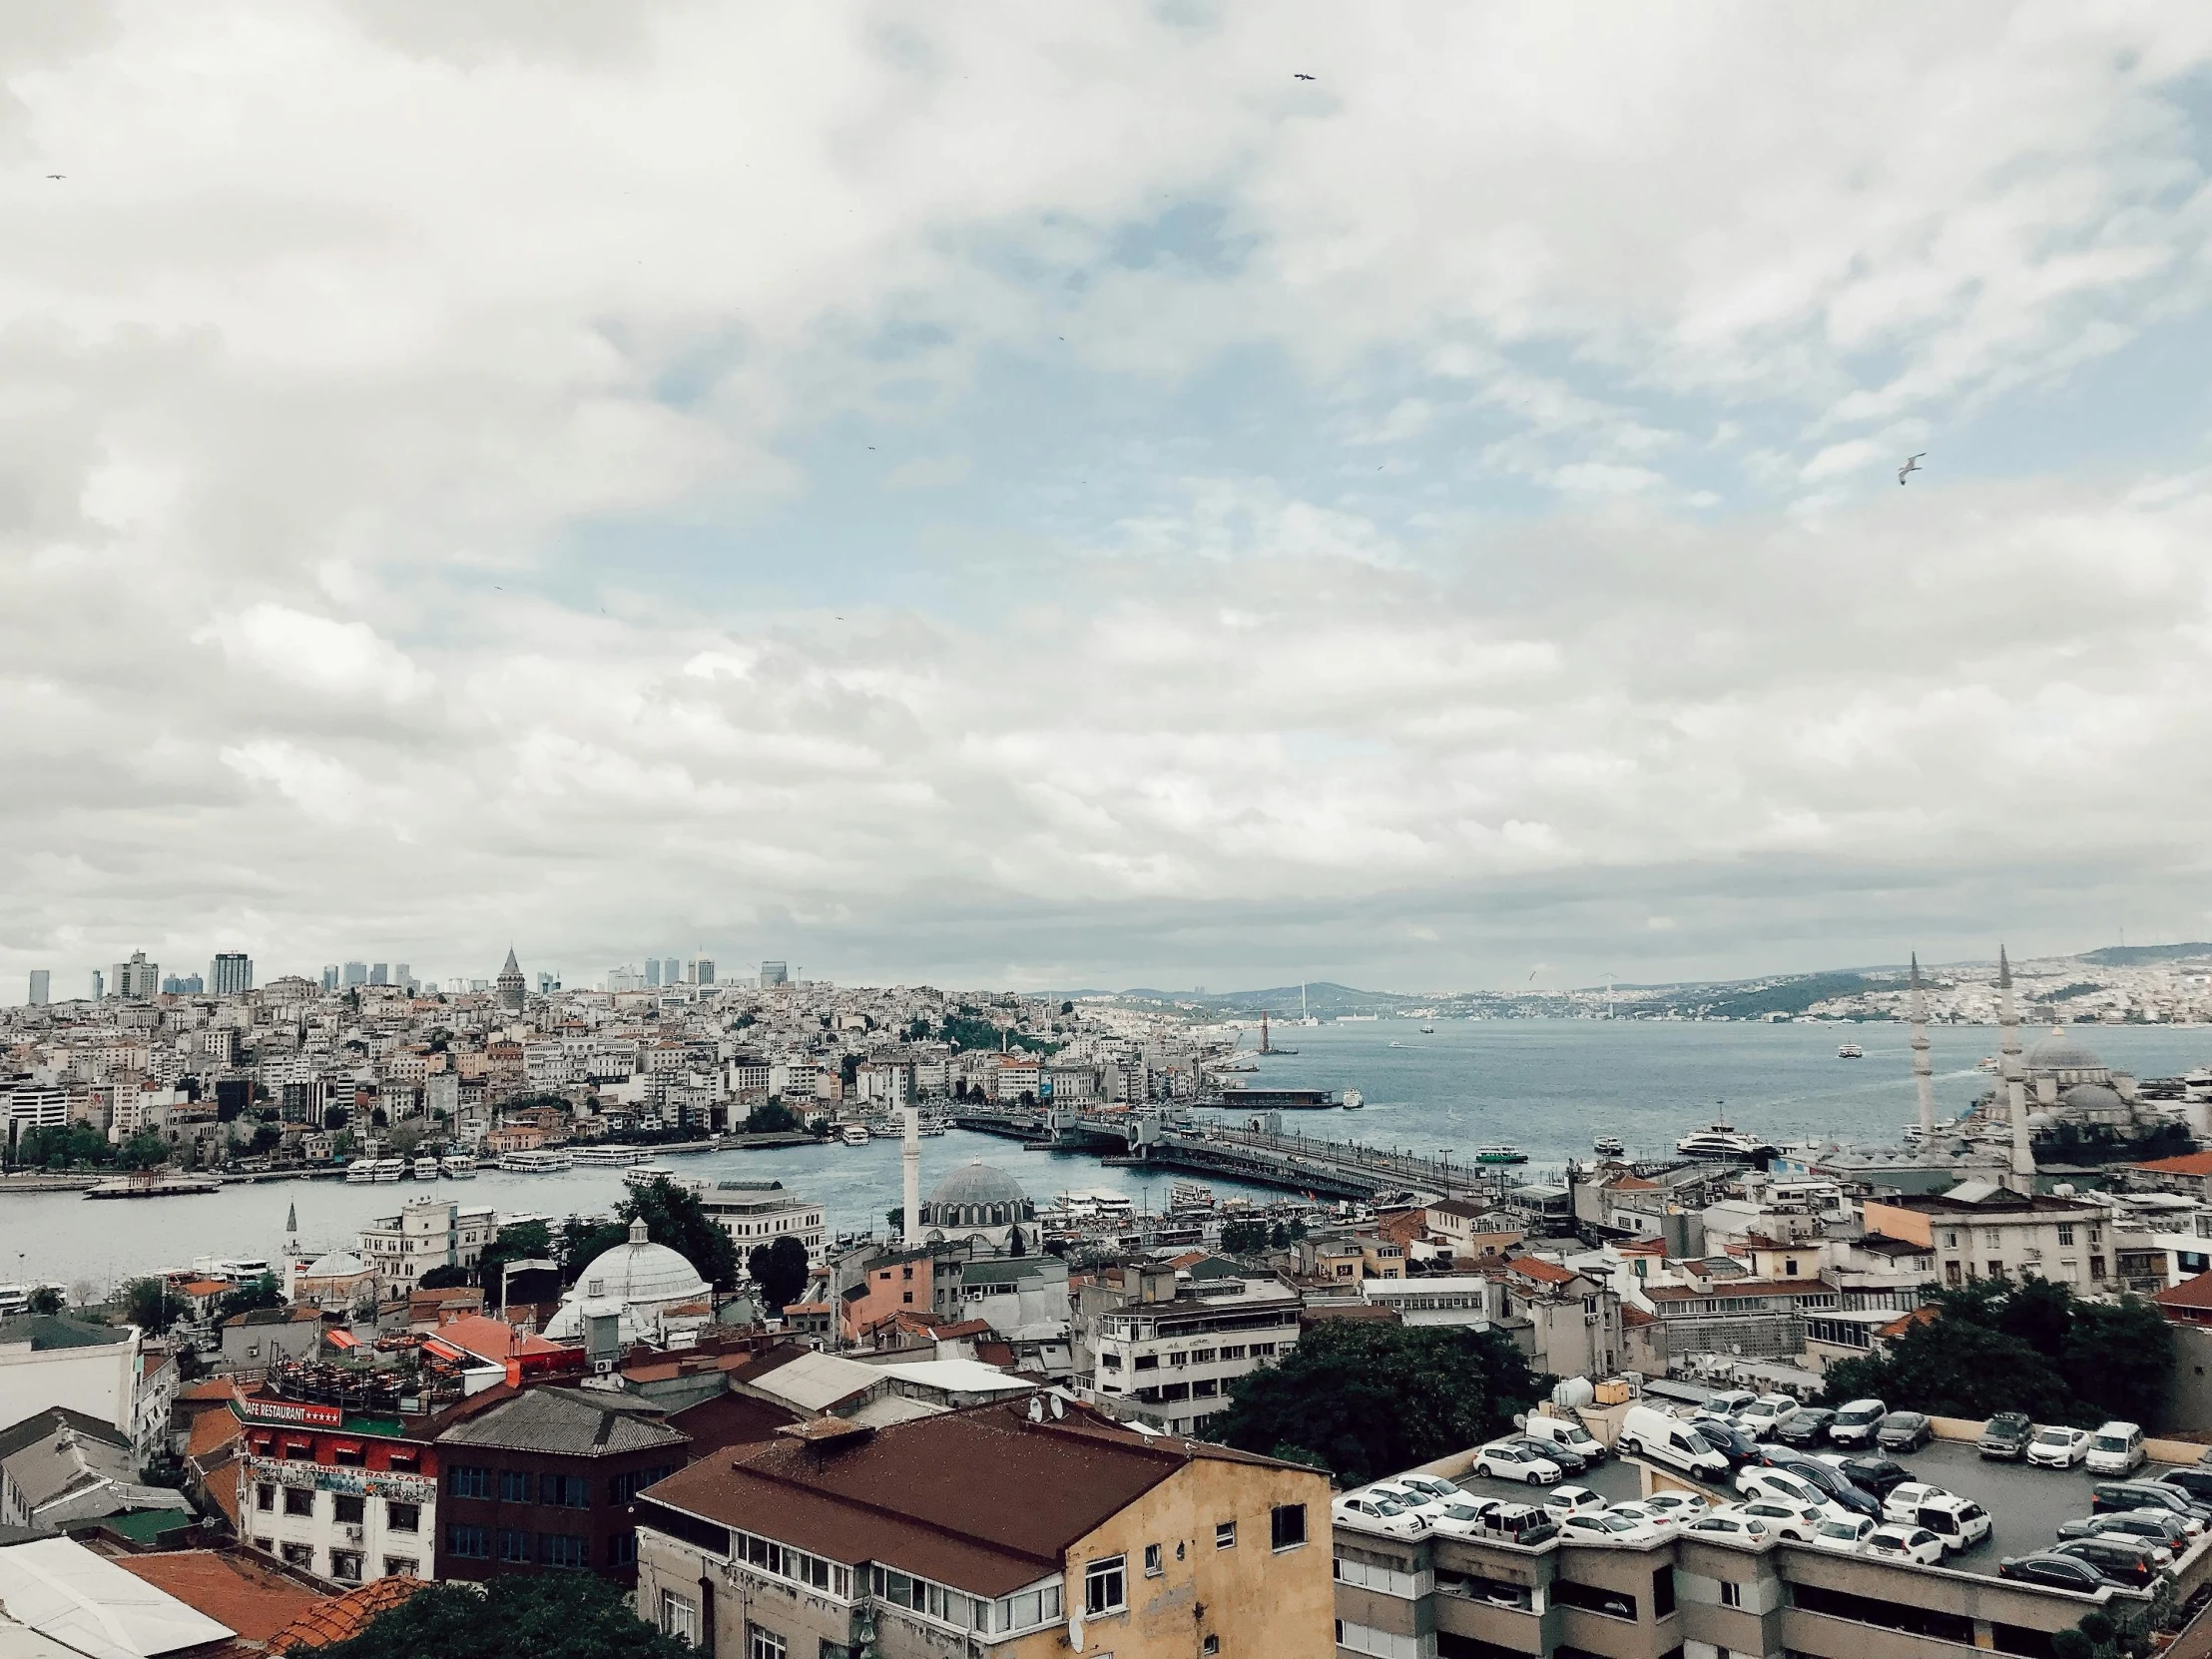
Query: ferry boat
{"points": [[1609, 1145], [609, 1157], [645, 1174], [376, 1169], [14, 1300], [425, 1169], [854, 1134], [1354, 1100], [935, 1123], [457, 1166], [538, 1161], [155, 1184], [1428, 1028], [1189, 1195], [1720, 1140], [1500, 1155], [1850, 1051]]}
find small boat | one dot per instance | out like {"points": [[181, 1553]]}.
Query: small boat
{"points": [[1354, 1100], [1850, 1051], [1609, 1145], [1500, 1155], [1428, 1029], [854, 1134], [425, 1169], [457, 1166]]}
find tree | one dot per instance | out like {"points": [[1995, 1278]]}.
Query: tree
{"points": [[47, 1300], [780, 1269], [335, 1117], [145, 1150], [773, 1118], [547, 1615], [2119, 1357], [525, 1240], [1015, 1245], [675, 1217], [1243, 1238], [256, 1294], [148, 1305], [446, 1275], [1363, 1399]]}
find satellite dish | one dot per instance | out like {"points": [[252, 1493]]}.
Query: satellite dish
{"points": [[1075, 1631], [1036, 1409], [1059, 1406]]}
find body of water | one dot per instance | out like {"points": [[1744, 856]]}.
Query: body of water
{"points": [[1547, 1086]]}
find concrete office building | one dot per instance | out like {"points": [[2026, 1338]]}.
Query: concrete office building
{"points": [[137, 980], [42, 988], [230, 973], [773, 974]]}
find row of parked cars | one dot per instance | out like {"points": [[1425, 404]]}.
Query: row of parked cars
{"points": [[2134, 1531]]}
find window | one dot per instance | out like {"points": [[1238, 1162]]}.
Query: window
{"points": [[1951, 1276], [299, 1556], [1105, 1587], [621, 1550], [1203, 1355], [623, 1487], [765, 1644], [1789, 1267], [563, 1549], [1732, 1593], [1152, 1566], [1287, 1525], [468, 1543], [514, 1545], [347, 1456], [1662, 1592], [1112, 1362], [1148, 1362], [1996, 1270], [401, 1566], [1225, 1534], [345, 1565], [1951, 1241], [1211, 1645], [514, 1485], [2065, 1233], [298, 1501], [678, 1617], [1179, 1359], [298, 1451], [348, 1508], [2097, 1266], [402, 1517], [569, 1491], [463, 1482], [265, 1498]]}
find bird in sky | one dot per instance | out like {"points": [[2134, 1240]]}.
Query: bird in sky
{"points": [[57, 175], [1301, 76], [1911, 465]]}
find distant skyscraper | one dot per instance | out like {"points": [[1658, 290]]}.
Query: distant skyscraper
{"points": [[702, 970], [379, 974], [357, 974], [42, 988], [653, 973], [515, 991], [401, 974], [99, 986], [672, 972], [182, 984], [330, 976], [775, 974], [137, 979], [548, 983], [232, 973]]}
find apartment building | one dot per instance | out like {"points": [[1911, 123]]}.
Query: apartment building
{"points": [[428, 1233], [1170, 1363], [1007, 1531], [1981, 1231], [346, 1497], [761, 1212]]}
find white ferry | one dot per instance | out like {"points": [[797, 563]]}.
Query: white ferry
{"points": [[646, 1174], [1608, 1145], [610, 1157], [1189, 1195], [1850, 1051], [1354, 1100], [363, 1170], [1719, 1140], [457, 1166], [14, 1300], [853, 1133], [541, 1161], [425, 1169], [1500, 1155]]}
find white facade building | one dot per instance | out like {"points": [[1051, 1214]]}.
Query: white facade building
{"points": [[428, 1233]]}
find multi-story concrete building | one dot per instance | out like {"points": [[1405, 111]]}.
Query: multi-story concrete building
{"points": [[346, 1497], [428, 1233], [1980, 1229], [1171, 1362], [761, 1212], [999, 1532], [230, 973], [49, 1360]]}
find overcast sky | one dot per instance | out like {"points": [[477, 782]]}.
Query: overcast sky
{"points": [[1041, 496]]}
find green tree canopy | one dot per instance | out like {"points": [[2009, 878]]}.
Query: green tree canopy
{"points": [[148, 1305], [1245, 1238], [780, 1269], [675, 1217], [773, 1118], [256, 1294], [47, 1300], [1365, 1400], [548, 1615], [523, 1242], [445, 1276]]}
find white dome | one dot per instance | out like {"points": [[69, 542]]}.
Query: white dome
{"points": [[639, 1271], [337, 1264]]}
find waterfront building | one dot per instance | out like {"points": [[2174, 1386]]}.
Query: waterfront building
{"points": [[756, 1213], [1001, 1530], [428, 1233]]}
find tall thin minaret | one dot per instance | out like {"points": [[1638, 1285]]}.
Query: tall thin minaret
{"points": [[910, 1159], [2022, 1177], [1923, 1075]]}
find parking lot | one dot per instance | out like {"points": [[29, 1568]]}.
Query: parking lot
{"points": [[2025, 1505]]}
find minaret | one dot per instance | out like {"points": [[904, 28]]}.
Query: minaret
{"points": [[910, 1159], [2022, 1177], [1923, 1075]]}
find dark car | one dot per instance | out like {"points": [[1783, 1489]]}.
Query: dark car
{"points": [[2109, 1497], [1832, 1481], [2007, 1435], [1730, 1442], [1878, 1475], [1570, 1461], [2194, 1484], [2052, 1571], [2123, 1561], [1810, 1427], [2156, 1525], [1908, 1432]]}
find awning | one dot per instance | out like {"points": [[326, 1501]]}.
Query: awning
{"points": [[340, 1339], [444, 1350], [351, 1448]]}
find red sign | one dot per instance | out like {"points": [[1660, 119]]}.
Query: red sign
{"points": [[301, 1412]]}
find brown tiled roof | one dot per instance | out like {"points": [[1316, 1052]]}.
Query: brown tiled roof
{"points": [[728, 1420], [341, 1617], [967, 1327], [983, 1500], [1543, 1271], [233, 1590], [2194, 1292], [2194, 1163]]}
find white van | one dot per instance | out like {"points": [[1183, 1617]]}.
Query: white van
{"points": [[1561, 1431], [1664, 1440], [2116, 1449]]}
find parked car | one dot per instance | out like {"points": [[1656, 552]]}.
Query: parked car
{"points": [[1857, 1422], [1666, 1520], [1684, 1506], [2116, 1449], [1832, 1483], [1509, 1461], [2158, 1524], [2124, 1560], [1958, 1521], [2195, 1482], [1558, 1431], [1570, 1461], [1443, 1490], [1906, 1544], [1604, 1527], [1878, 1476], [1378, 1515], [2008, 1435], [1905, 1431], [1651, 1434], [1765, 1414], [2054, 1571], [1405, 1496], [1572, 1501], [1784, 1485], [1730, 1442], [1797, 1522], [1905, 1499], [2114, 1498], [1730, 1525], [1846, 1537], [1463, 1518], [1518, 1523], [1730, 1405], [1808, 1427], [2060, 1448]]}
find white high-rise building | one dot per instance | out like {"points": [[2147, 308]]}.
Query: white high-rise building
{"points": [[42, 988], [138, 979]]}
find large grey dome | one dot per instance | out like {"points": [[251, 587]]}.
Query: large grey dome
{"points": [[978, 1183], [2092, 1097], [2059, 1052]]}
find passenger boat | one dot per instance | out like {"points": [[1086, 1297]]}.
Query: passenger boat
{"points": [[537, 1161], [645, 1174], [1189, 1195], [1609, 1145], [457, 1166], [1721, 1140], [854, 1134], [425, 1169], [1354, 1100], [1428, 1029], [1850, 1051], [1500, 1155], [360, 1172], [606, 1157]]}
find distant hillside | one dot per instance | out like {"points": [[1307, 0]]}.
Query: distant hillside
{"points": [[1324, 998], [1755, 1000], [2136, 955]]}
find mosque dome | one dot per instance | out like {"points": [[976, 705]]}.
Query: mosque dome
{"points": [[336, 1264], [638, 1272], [2059, 1052], [2093, 1097], [978, 1183]]}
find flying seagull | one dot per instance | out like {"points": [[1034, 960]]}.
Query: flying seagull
{"points": [[1300, 77], [1911, 465], [57, 175]]}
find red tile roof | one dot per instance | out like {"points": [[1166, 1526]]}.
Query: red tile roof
{"points": [[2194, 1163], [341, 1617], [233, 1590], [1536, 1268], [2194, 1292]]}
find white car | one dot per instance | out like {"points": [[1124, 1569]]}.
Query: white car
{"points": [[1666, 1520], [1730, 1405], [1903, 1507], [1796, 1522], [1605, 1527], [1572, 1501], [1378, 1515], [1501, 1460], [1765, 1414], [2058, 1448], [2115, 1449], [1441, 1490], [1684, 1506], [1461, 1517], [1405, 1496], [1728, 1527], [1789, 1488], [1846, 1537], [1906, 1544]]}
